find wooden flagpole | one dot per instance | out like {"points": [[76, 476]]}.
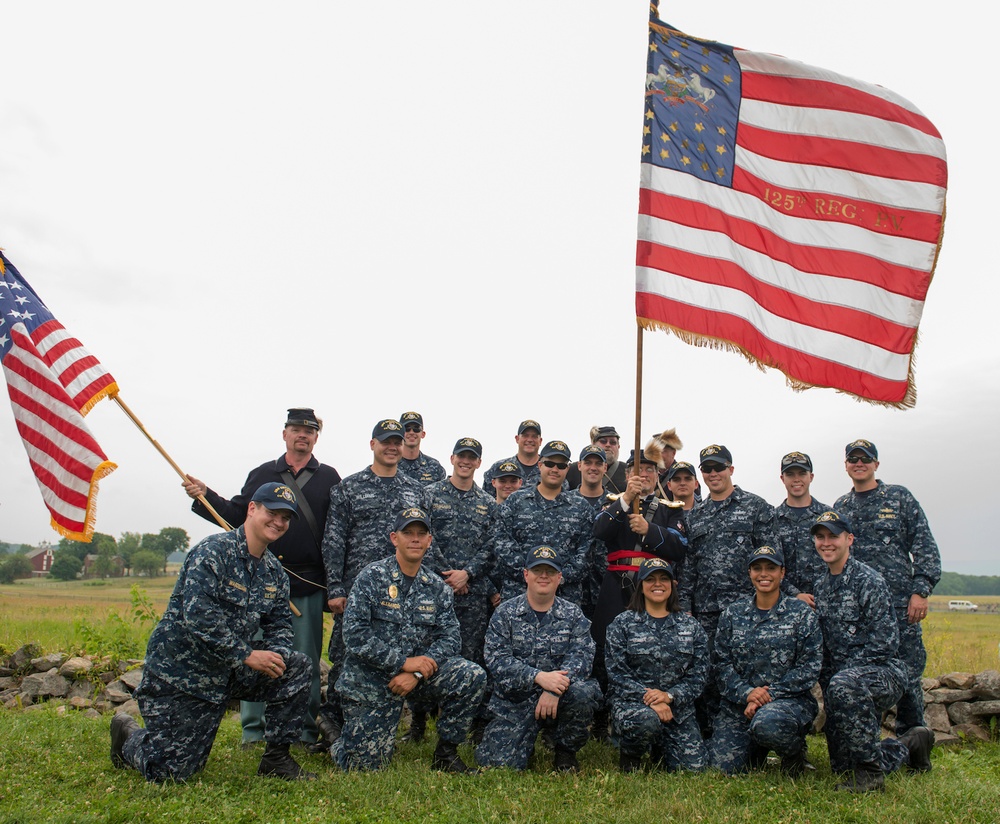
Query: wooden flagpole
{"points": [[218, 518], [637, 462]]}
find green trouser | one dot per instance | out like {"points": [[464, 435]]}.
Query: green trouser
{"points": [[308, 638]]}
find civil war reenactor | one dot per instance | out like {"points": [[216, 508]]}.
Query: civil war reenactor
{"points": [[862, 675], [682, 484], [793, 518], [298, 549], [363, 508], [415, 464], [723, 531], [892, 536], [768, 654], [539, 653], [528, 440], [206, 650], [463, 523], [615, 476], [508, 479], [670, 445], [548, 514], [657, 530], [402, 639]]}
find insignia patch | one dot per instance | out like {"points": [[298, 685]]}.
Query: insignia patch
{"points": [[284, 493], [236, 585], [393, 591]]}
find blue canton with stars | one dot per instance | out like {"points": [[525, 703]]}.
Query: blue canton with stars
{"points": [[692, 105], [18, 302]]}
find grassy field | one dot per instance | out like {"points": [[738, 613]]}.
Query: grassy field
{"points": [[50, 613], [56, 769]]}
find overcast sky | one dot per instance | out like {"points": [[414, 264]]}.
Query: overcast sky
{"points": [[375, 207]]}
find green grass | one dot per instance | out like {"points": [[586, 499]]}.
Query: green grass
{"points": [[56, 769]]}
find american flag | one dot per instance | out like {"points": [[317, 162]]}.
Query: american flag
{"points": [[788, 213], [53, 382]]}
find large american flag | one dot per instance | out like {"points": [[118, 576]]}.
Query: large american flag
{"points": [[788, 213], [53, 382]]}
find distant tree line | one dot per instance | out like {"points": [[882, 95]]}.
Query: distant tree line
{"points": [[952, 583], [134, 552]]}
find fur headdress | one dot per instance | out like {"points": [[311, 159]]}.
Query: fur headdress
{"points": [[667, 439]]}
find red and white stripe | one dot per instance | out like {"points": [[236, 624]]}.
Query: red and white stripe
{"points": [[817, 261], [52, 382]]}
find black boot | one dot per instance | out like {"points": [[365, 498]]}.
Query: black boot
{"points": [[565, 761], [629, 763], [277, 762], [418, 726], [867, 778], [794, 765], [477, 731], [447, 759], [329, 731], [919, 741], [122, 727], [599, 728]]}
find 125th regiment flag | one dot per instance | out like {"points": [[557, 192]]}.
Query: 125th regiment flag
{"points": [[53, 382], [788, 213]]}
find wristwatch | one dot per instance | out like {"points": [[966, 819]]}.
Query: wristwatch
{"points": [[418, 675]]}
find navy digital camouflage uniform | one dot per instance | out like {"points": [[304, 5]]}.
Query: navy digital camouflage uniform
{"points": [[423, 469], [802, 563], [892, 536], [781, 649], [862, 676], [519, 645], [721, 538], [194, 661], [528, 519], [363, 509], [386, 622], [665, 539], [668, 654]]}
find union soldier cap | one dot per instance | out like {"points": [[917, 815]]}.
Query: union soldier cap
{"points": [[412, 417], [529, 424], [715, 454], [644, 458], [681, 466], [387, 429], [650, 565], [303, 416], [411, 515], [796, 460], [276, 496], [605, 432], [861, 445], [556, 448], [767, 553], [593, 449], [836, 523], [468, 445], [543, 555], [508, 469]]}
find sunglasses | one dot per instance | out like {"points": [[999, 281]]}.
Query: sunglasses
{"points": [[413, 427], [555, 465], [709, 468], [853, 459]]}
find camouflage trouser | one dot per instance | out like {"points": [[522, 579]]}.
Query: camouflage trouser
{"points": [[706, 705], [639, 729], [180, 729], [854, 701], [369, 735], [510, 736], [472, 612], [780, 725], [910, 707]]}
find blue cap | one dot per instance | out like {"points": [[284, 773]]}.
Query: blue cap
{"points": [[553, 448], [412, 417], [833, 521], [650, 565], [796, 460], [411, 515], [680, 466], [387, 429], [715, 454], [509, 469], [543, 555], [303, 416], [861, 445], [529, 424], [468, 445], [276, 496], [595, 450], [767, 553]]}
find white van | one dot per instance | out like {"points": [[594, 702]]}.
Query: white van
{"points": [[963, 606]]}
